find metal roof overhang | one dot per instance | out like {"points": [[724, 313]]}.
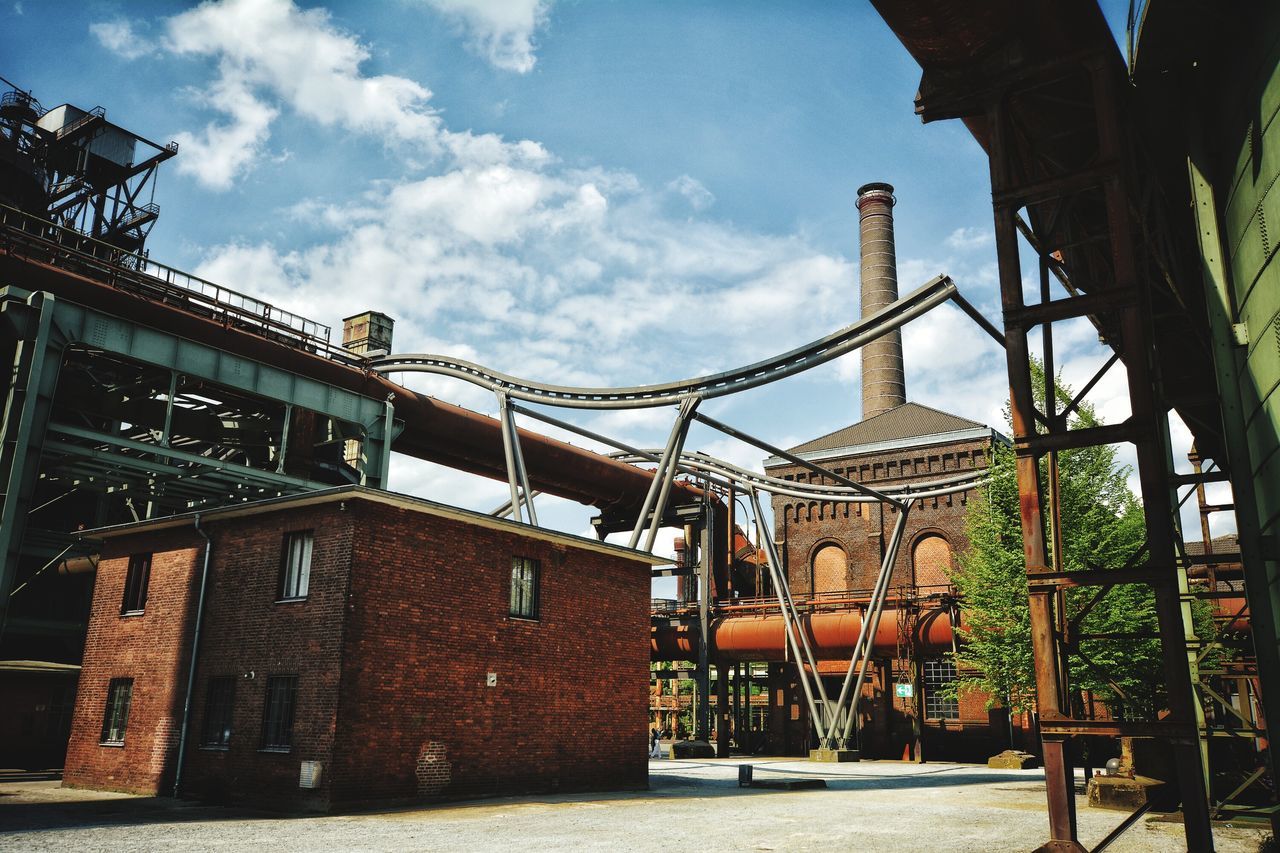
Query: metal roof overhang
{"points": [[971, 52]]}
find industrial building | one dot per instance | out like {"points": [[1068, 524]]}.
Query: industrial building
{"points": [[355, 646], [1131, 191]]}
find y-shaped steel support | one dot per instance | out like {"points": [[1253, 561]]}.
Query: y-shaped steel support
{"points": [[797, 637], [660, 488], [861, 660], [517, 476]]}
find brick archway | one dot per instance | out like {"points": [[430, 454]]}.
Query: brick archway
{"points": [[932, 560], [830, 568]]}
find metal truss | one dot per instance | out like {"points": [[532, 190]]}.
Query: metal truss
{"points": [[1081, 224], [107, 409]]}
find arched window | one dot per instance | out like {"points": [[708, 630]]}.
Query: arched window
{"points": [[931, 559], [830, 569]]}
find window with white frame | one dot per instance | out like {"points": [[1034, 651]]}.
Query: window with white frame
{"points": [[295, 567], [939, 674]]}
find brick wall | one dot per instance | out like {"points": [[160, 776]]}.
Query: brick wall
{"points": [[152, 649], [405, 615], [429, 620], [864, 530], [249, 635]]}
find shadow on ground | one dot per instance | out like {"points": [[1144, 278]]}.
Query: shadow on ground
{"points": [[29, 803]]}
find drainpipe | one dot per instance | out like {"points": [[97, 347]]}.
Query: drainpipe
{"points": [[195, 648]]}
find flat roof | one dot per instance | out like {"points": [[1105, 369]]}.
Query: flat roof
{"points": [[346, 493], [38, 666]]}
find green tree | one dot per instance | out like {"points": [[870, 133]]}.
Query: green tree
{"points": [[1102, 527]]}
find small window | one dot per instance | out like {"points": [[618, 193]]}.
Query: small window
{"points": [[116, 718], [524, 587], [277, 716], [939, 675], [135, 584], [295, 570], [217, 713]]}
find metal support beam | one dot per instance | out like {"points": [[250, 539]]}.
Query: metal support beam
{"points": [[1123, 294], [861, 658], [706, 549], [823, 720], [659, 490], [199, 463], [33, 377]]}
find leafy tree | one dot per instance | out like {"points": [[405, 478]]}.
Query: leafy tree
{"points": [[1102, 527]]}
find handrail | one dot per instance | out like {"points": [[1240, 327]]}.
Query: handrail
{"points": [[71, 249]]}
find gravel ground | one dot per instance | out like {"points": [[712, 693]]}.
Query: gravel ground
{"points": [[691, 805]]}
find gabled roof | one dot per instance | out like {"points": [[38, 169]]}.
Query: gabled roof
{"points": [[1228, 544], [910, 420]]}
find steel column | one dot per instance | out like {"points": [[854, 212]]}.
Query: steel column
{"points": [[1049, 693], [33, 378]]}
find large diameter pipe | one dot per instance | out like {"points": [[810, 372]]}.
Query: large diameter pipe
{"points": [[884, 384], [832, 636]]}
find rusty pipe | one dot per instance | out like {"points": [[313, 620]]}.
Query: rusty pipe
{"points": [[763, 638]]}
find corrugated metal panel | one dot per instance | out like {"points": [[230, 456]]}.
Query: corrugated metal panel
{"points": [[1251, 217]]}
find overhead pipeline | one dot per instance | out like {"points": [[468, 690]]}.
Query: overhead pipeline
{"points": [[831, 635]]}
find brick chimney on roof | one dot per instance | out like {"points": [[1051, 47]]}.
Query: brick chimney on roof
{"points": [[884, 384]]}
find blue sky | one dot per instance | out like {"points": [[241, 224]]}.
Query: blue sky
{"points": [[598, 193]]}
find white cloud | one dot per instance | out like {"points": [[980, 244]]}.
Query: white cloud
{"points": [[497, 253], [221, 152], [500, 31], [269, 53], [967, 238], [698, 196], [117, 36]]}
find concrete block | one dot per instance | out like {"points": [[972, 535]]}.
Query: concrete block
{"points": [[1013, 759], [692, 749], [833, 755], [1120, 792]]}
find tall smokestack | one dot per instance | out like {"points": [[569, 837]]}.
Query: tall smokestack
{"points": [[884, 385]]}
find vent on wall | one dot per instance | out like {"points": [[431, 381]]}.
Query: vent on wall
{"points": [[310, 775]]}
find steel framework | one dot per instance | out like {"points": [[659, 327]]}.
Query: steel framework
{"points": [[1082, 225]]}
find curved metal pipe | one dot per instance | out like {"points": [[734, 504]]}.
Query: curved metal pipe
{"points": [[702, 463], [920, 301]]}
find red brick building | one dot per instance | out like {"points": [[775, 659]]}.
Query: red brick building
{"points": [[833, 552], [361, 646]]}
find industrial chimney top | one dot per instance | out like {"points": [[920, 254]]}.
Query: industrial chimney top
{"points": [[877, 190]]}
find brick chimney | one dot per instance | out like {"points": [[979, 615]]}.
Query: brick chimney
{"points": [[884, 384]]}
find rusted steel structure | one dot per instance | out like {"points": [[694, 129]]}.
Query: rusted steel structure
{"points": [[1042, 87]]}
